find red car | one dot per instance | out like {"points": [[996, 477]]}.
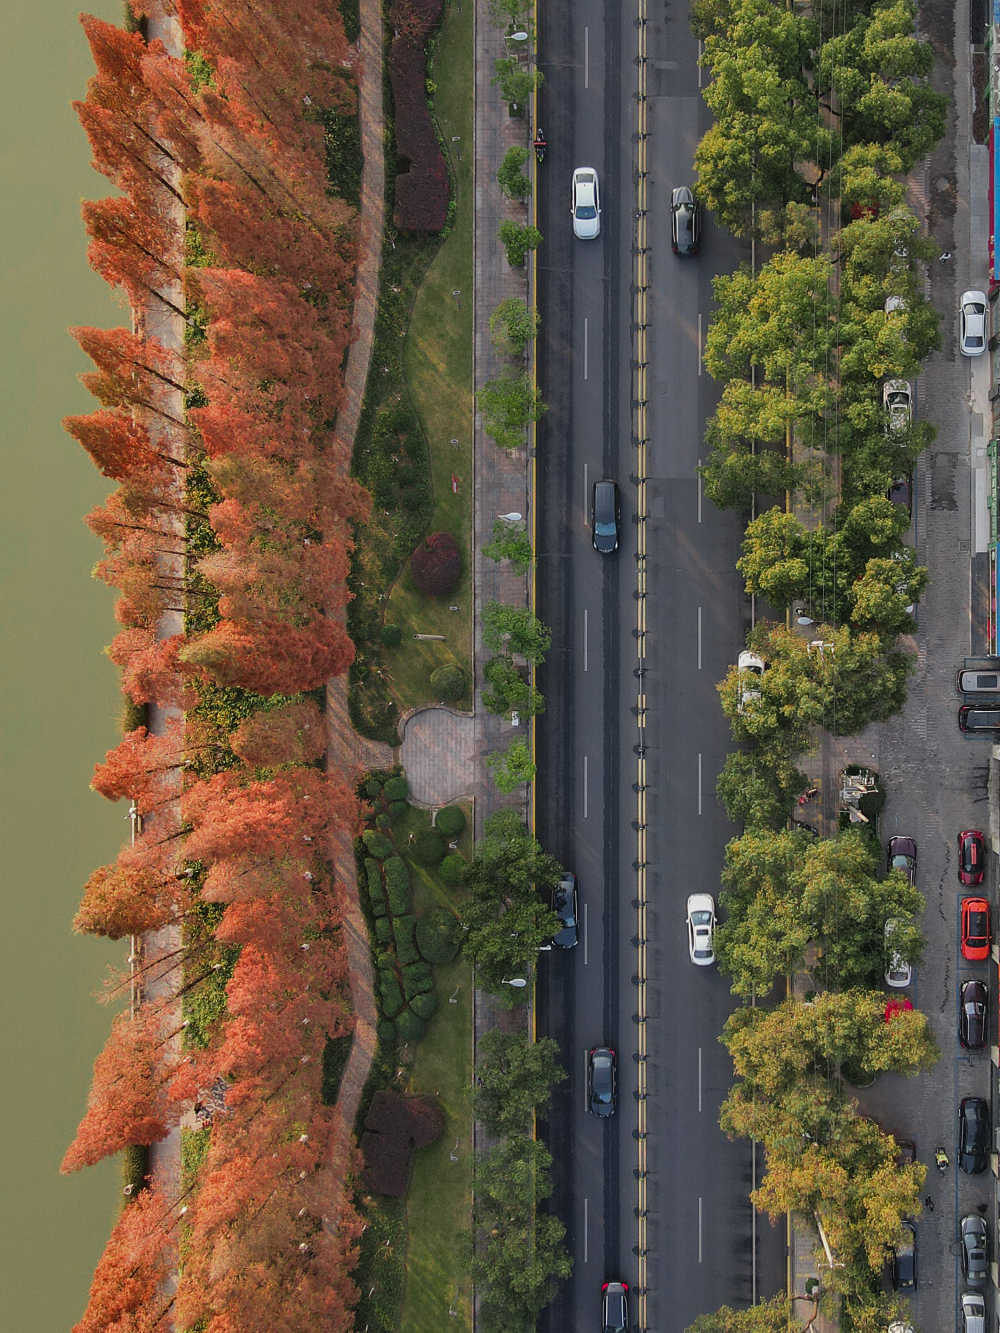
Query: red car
{"points": [[971, 857], [975, 929]]}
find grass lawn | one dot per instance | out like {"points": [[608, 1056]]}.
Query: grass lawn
{"points": [[438, 361], [439, 1201]]}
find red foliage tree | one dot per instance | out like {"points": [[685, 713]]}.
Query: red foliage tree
{"points": [[151, 669], [128, 1100], [117, 443], [130, 1292], [146, 767], [125, 898], [268, 820], [436, 564], [293, 734], [133, 249], [271, 657]]}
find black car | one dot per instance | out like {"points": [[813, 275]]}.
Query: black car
{"points": [[975, 1249], [979, 717], [614, 1307], [904, 1259], [605, 516], [601, 1081], [899, 493], [973, 1015], [973, 1135], [685, 222], [564, 904], [902, 856]]}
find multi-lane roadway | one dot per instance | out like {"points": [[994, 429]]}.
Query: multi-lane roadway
{"points": [[704, 1246]]}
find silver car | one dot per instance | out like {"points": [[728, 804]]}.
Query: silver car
{"points": [[585, 205], [897, 399], [972, 323], [973, 1313]]}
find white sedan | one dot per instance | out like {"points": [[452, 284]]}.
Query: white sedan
{"points": [[586, 204], [701, 929], [972, 319], [749, 669]]}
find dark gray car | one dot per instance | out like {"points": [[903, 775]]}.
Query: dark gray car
{"points": [[979, 717], [601, 1081], [975, 1249], [904, 1259], [685, 222], [564, 904], [605, 516], [973, 1023], [614, 1307]]}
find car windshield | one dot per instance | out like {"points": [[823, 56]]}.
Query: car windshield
{"points": [[586, 211], [900, 862], [605, 528], [701, 918], [977, 925]]}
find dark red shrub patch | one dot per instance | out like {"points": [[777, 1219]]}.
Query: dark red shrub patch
{"points": [[436, 565]]}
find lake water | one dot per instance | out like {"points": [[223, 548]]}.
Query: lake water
{"points": [[59, 699]]}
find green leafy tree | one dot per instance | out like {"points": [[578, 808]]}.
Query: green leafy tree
{"points": [[759, 792], [515, 81], [773, 1316], [511, 178], [508, 405], [513, 324], [515, 1078], [510, 542], [511, 767], [775, 560], [793, 227], [506, 13], [508, 881], [882, 594], [509, 690], [515, 629], [517, 240]]}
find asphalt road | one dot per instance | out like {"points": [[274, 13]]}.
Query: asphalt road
{"points": [[703, 1250]]}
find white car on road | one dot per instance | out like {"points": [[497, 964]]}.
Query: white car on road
{"points": [[701, 929], [972, 319], [586, 204]]}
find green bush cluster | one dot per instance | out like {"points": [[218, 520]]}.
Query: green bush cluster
{"points": [[437, 935], [397, 788], [404, 931], [378, 844], [428, 848], [390, 995], [452, 868], [450, 821]]}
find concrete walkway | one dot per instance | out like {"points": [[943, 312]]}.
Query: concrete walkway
{"points": [[346, 750]]}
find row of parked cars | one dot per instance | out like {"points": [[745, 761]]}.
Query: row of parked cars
{"points": [[973, 1112]]}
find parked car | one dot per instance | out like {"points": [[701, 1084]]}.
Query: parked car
{"points": [[979, 717], [904, 1258], [701, 929], [975, 929], [585, 205], [750, 667], [972, 323], [605, 516], [897, 399], [971, 857], [685, 222], [973, 1313], [900, 493], [602, 1082], [978, 682], [897, 970], [899, 1327], [895, 305], [902, 855], [973, 1014], [564, 904], [975, 1249], [906, 1152], [614, 1307], [973, 1135]]}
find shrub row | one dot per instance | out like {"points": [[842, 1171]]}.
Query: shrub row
{"points": [[423, 191]]}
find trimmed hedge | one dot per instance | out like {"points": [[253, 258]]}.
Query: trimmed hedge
{"points": [[438, 935], [391, 996], [450, 821], [448, 682], [383, 930], [406, 949], [417, 978], [383, 822], [376, 893], [386, 1030], [410, 1026], [397, 886], [378, 844]]}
